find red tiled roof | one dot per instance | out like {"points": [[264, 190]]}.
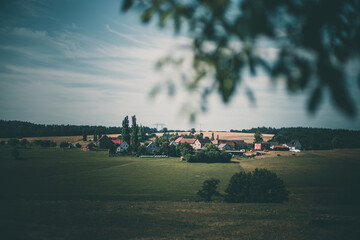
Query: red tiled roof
{"points": [[117, 141], [182, 140], [279, 146]]}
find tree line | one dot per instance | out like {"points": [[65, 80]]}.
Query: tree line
{"points": [[311, 138], [20, 129], [319, 138]]}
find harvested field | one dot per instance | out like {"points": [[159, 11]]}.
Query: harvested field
{"points": [[247, 137]]}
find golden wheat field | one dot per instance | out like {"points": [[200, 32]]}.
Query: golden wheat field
{"points": [[247, 137]]}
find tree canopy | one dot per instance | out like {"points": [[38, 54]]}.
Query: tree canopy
{"points": [[316, 42]]}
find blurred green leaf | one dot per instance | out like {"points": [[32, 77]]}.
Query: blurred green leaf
{"points": [[315, 100], [126, 5]]}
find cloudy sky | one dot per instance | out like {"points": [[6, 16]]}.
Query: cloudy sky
{"points": [[84, 62]]}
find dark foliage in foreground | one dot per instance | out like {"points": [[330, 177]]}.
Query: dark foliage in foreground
{"points": [[261, 185]]}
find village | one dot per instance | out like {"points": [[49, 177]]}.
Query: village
{"points": [[232, 147]]}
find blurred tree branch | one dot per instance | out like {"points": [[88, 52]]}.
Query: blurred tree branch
{"points": [[316, 40]]}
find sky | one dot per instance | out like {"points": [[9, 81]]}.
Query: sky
{"points": [[83, 62]]}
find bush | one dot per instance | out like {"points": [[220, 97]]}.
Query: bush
{"points": [[91, 146], [24, 142], [13, 142], [15, 153], [141, 150], [78, 145], [211, 154], [44, 143], [184, 149], [260, 185], [209, 189], [64, 144]]}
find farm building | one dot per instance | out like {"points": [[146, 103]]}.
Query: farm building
{"points": [[279, 148], [239, 143], [104, 142], [224, 146], [236, 152]]}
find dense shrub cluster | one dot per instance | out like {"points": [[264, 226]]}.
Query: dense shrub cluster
{"points": [[44, 143], [211, 154], [260, 185]]}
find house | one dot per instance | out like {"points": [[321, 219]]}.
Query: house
{"points": [[224, 146], [295, 146], [190, 141], [200, 143], [123, 145], [261, 146], [152, 147], [257, 146], [104, 142]]}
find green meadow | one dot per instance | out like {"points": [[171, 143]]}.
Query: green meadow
{"points": [[70, 194]]}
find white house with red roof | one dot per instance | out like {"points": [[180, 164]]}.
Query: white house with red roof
{"points": [[123, 145], [190, 141], [200, 143]]}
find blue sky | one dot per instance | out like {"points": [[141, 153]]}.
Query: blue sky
{"points": [[84, 62]]}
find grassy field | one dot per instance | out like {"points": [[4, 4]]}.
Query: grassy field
{"points": [[70, 194]]}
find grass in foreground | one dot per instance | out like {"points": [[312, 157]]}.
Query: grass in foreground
{"points": [[56, 194], [175, 220], [71, 174]]}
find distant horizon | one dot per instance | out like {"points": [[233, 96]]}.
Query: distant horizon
{"points": [[184, 130]]}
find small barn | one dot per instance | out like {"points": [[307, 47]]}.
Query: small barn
{"points": [[224, 146], [104, 142]]}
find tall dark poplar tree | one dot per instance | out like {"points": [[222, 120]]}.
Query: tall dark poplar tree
{"points": [[84, 135], [125, 133], [258, 137], [134, 133], [95, 136]]}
